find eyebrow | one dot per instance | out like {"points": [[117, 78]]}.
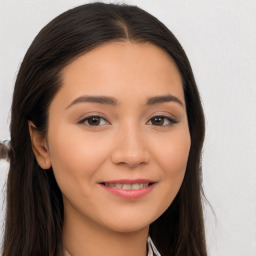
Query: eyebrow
{"points": [[95, 99], [163, 99], [106, 100]]}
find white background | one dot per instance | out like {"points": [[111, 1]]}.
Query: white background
{"points": [[219, 37]]}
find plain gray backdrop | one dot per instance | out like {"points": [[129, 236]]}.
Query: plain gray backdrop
{"points": [[219, 38]]}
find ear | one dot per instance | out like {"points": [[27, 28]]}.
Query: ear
{"points": [[39, 146]]}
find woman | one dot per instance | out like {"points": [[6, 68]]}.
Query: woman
{"points": [[106, 136]]}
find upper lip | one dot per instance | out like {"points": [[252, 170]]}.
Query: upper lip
{"points": [[128, 181]]}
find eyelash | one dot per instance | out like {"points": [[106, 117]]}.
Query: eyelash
{"points": [[170, 120], [85, 120]]}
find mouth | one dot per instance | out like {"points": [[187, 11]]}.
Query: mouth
{"points": [[129, 189], [128, 186]]}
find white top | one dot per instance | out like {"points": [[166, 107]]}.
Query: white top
{"points": [[152, 251]]}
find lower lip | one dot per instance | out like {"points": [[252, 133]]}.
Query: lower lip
{"points": [[129, 194]]}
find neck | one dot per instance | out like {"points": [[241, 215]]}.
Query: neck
{"points": [[81, 236]]}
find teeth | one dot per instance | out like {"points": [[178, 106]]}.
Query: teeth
{"points": [[127, 186], [134, 186], [118, 185]]}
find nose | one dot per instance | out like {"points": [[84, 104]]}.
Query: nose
{"points": [[130, 148]]}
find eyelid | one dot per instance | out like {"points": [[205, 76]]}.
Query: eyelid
{"points": [[170, 119], [86, 118]]}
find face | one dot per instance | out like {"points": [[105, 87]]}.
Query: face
{"points": [[118, 137]]}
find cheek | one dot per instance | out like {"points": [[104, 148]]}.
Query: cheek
{"points": [[67, 155], [73, 155], [173, 154], [173, 160]]}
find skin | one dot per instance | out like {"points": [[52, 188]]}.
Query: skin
{"points": [[126, 143]]}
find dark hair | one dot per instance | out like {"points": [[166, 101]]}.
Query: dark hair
{"points": [[5, 150], [34, 213]]}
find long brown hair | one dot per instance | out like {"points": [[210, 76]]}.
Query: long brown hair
{"points": [[34, 215]]}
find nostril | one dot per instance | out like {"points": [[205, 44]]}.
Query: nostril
{"points": [[129, 156]]}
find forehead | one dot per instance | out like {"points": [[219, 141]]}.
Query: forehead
{"points": [[124, 67]]}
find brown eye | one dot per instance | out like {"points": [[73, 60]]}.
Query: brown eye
{"points": [[162, 121], [94, 121], [157, 120]]}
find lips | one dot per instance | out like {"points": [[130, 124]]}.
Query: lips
{"points": [[127, 186], [130, 189]]}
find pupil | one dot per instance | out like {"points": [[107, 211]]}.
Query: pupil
{"points": [[158, 120], [94, 121]]}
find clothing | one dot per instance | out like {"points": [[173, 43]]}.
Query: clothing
{"points": [[152, 251]]}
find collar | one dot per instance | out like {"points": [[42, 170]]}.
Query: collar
{"points": [[152, 251]]}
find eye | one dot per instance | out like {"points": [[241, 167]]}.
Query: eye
{"points": [[94, 121], [162, 121]]}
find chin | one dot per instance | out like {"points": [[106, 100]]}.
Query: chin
{"points": [[129, 228], [128, 225]]}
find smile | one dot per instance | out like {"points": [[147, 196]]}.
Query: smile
{"points": [[127, 186], [129, 189]]}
